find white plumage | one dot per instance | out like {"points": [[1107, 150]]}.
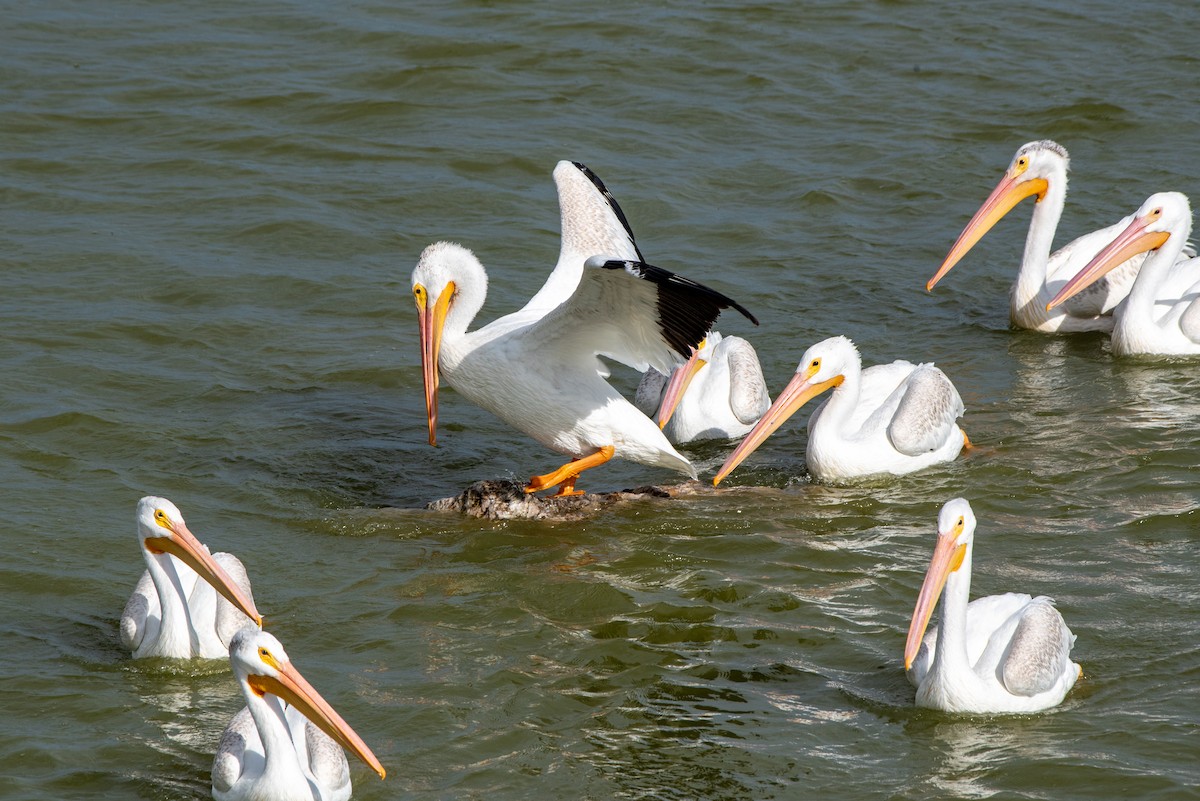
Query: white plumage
{"points": [[188, 603], [888, 419], [538, 368], [286, 743], [1161, 315], [999, 654], [719, 393], [1040, 169]]}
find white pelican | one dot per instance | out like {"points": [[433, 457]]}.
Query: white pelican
{"points": [[1001, 654], [286, 743], [1040, 169], [537, 369], [888, 419], [175, 610], [1161, 315], [719, 393]]}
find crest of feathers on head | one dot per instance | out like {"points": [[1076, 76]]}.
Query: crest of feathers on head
{"points": [[1046, 144]]}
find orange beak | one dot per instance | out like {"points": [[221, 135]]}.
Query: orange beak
{"points": [[1133, 240], [1007, 194], [295, 689], [797, 393], [681, 379], [184, 546], [431, 321], [947, 557]]}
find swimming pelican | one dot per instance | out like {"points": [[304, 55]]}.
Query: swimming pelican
{"points": [[286, 743], [537, 369], [888, 419], [1040, 169], [174, 610], [1161, 315], [719, 393], [1000, 654]]}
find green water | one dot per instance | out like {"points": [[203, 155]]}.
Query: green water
{"points": [[210, 215]]}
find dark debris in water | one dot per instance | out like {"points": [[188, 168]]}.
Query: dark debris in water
{"points": [[507, 500]]}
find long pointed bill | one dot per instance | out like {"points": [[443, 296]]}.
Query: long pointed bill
{"points": [[184, 546], [947, 557], [295, 689], [797, 393], [1130, 242], [681, 379], [430, 322], [1007, 194]]}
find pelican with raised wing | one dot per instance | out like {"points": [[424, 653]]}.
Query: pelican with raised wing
{"points": [[1161, 316], [999, 654], [286, 743], [538, 368], [188, 603], [889, 419], [1039, 169], [719, 393]]}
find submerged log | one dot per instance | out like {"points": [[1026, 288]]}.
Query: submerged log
{"points": [[507, 500]]}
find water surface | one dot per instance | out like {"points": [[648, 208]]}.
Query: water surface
{"points": [[211, 215]]}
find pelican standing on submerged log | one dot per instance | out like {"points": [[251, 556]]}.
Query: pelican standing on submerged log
{"points": [[538, 368], [188, 603]]}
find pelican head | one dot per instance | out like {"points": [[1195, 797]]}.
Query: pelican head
{"points": [[448, 282], [161, 530], [681, 379], [956, 531], [1163, 214], [823, 367], [1032, 169], [260, 664]]}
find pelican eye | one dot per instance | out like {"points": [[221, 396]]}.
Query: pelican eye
{"points": [[264, 653], [815, 364], [1157, 212], [161, 519]]}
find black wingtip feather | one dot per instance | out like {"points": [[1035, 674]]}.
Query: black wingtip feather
{"points": [[686, 309], [612, 201]]}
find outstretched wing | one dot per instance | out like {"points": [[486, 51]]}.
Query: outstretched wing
{"points": [[639, 314], [592, 223]]}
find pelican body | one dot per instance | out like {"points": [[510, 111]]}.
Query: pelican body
{"points": [[188, 603], [889, 419], [538, 368], [719, 393], [286, 743], [1039, 169], [1161, 316], [995, 655]]}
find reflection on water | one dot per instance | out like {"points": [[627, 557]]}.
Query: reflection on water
{"points": [[970, 754]]}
